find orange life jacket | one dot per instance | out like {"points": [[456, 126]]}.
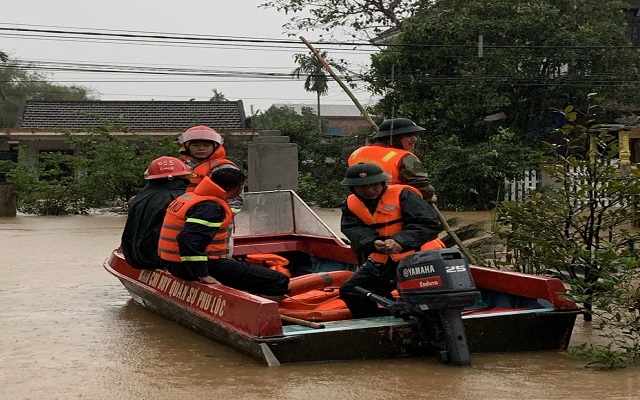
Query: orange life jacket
{"points": [[175, 219], [219, 157], [269, 260], [387, 220], [387, 157]]}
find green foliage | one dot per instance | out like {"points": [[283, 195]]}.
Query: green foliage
{"points": [[363, 19], [535, 56], [19, 82], [45, 185], [578, 227], [111, 171], [615, 299], [469, 176], [103, 171], [316, 79], [600, 357], [217, 96], [321, 161]]}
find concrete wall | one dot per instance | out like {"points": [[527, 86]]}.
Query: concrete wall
{"points": [[273, 162]]}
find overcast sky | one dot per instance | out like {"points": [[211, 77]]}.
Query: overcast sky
{"points": [[249, 66]]}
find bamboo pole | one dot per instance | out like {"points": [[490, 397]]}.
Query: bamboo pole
{"points": [[337, 79], [302, 322]]}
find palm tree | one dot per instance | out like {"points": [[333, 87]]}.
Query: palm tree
{"points": [[317, 80], [217, 96]]}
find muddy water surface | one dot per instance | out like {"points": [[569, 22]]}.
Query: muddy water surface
{"points": [[68, 330]]}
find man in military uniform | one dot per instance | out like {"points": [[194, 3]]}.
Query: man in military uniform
{"points": [[384, 224], [392, 150]]}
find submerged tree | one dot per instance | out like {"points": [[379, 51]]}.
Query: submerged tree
{"points": [[578, 227]]}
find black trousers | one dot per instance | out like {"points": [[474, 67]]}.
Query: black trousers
{"points": [[378, 278], [239, 275], [251, 278]]}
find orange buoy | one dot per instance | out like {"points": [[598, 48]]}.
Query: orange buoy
{"points": [[318, 280], [315, 297]]}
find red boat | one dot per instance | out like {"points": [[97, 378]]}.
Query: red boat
{"points": [[510, 311]]}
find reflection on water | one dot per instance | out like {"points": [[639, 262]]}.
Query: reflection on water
{"points": [[70, 330]]}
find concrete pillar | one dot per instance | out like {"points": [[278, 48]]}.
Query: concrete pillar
{"points": [[273, 162], [7, 200]]}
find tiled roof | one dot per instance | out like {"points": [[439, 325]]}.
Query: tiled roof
{"points": [[177, 115]]}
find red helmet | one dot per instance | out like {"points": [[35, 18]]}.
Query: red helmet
{"points": [[200, 132], [166, 167]]}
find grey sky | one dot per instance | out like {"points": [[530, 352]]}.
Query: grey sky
{"points": [[239, 18]]}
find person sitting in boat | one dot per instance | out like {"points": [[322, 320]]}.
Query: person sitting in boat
{"points": [[204, 152], [392, 149], [167, 178], [385, 224], [194, 240]]}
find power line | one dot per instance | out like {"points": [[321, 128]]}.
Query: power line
{"points": [[182, 38]]}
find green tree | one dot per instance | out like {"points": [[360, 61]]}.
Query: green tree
{"points": [[316, 79], [363, 19], [20, 81], [471, 176], [217, 96], [101, 170], [535, 56]]}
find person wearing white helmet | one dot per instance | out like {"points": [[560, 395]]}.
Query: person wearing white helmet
{"points": [[204, 152], [167, 178]]}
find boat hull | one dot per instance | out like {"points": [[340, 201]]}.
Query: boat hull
{"points": [[252, 325]]}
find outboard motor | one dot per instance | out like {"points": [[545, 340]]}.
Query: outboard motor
{"points": [[434, 287]]}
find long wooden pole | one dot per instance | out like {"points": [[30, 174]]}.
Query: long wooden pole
{"points": [[364, 112]]}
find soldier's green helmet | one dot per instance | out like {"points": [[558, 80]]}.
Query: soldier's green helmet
{"points": [[397, 126], [364, 174]]}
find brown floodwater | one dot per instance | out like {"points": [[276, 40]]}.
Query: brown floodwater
{"points": [[69, 330]]}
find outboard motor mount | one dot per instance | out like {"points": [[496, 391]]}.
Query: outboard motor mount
{"points": [[436, 285]]}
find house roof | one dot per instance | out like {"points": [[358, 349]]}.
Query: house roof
{"points": [[326, 110], [177, 115]]}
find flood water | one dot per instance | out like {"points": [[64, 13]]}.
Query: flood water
{"points": [[69, 330]]}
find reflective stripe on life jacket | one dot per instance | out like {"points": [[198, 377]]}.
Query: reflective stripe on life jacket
{"points": [[387, 157], [175, 220], [387, 220]]}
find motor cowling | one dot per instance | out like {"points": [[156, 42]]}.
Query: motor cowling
{"points": [[434, 279]]}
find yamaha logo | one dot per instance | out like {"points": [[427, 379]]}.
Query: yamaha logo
{"points": [[419, 270]]}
